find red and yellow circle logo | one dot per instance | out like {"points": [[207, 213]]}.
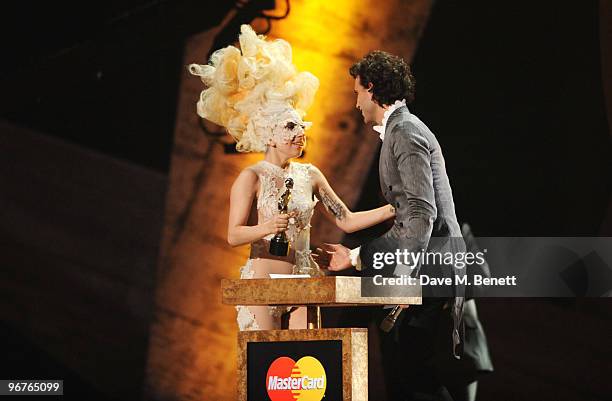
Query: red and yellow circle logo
{"points": [[303, 380]]}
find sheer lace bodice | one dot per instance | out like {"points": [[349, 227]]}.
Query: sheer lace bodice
{"points": [[271, 186], [302, 203]]}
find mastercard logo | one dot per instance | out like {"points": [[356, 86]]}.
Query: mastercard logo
{"points": [[303, 380]]}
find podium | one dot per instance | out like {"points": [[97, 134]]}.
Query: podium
{"points": [[308, 364]]}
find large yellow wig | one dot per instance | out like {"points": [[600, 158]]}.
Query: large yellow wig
{"points": [[248, 90]]}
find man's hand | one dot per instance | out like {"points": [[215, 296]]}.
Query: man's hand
{"points": [[333, 257]]}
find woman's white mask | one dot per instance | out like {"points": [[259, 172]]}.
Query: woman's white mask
{"points": [[279, 124]]}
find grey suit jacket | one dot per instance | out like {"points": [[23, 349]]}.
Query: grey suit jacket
{"points": [[413, 179]]}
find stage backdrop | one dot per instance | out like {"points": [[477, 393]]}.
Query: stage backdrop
{"points": [[192, 353]]}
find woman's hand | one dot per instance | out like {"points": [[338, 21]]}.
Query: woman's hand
{"points": [[391, 211], [277, 224]]}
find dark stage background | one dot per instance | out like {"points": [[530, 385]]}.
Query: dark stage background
{"points": [[518, 93]]}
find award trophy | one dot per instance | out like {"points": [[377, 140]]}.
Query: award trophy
{"points": [[279, 245]]}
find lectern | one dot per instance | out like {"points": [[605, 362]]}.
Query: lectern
{"points": [[313, 364]]}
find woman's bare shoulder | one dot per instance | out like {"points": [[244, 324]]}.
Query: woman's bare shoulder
{"points": [[247, 178]]}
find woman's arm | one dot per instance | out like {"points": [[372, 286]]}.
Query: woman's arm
{"points": [[346, 220], [242, 195]]}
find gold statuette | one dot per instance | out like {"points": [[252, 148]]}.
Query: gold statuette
{"points": [[279, 245]]}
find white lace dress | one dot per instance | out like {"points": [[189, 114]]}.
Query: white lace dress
{"points": [[272, 186]]}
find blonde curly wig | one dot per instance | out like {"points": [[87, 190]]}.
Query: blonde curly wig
{"points": [[249, 91]]}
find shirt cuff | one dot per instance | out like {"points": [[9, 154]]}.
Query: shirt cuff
{"points": [[355, 258]]}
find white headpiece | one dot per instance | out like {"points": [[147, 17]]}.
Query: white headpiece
{"points": [[255, 92]]}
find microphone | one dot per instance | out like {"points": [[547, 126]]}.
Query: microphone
{"points": [[389, 321]]}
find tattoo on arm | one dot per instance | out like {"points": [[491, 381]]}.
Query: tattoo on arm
{"points": [[334, 207]]}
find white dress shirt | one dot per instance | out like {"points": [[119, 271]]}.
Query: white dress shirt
{"points": [[381, 128]]}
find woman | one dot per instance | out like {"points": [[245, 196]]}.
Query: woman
{"points": [[260, 98]]}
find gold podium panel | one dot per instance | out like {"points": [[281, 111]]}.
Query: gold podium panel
{"points": [[309, 364], [320, 291], [354, 357]]}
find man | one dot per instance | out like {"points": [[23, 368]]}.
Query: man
{"points": [[413, 179]]}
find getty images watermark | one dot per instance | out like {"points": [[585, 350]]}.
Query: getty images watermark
{"points": [[497, 267], [405, 260]]}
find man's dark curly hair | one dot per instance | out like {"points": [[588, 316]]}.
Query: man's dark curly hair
{"points": [[390, 76]]}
